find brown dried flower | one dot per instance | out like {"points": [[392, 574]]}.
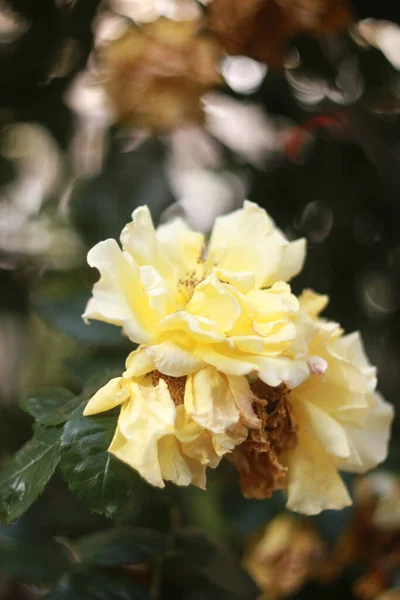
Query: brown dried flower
{"points": [[257, 458], [286, 555], [155, 74], [262, 29]]}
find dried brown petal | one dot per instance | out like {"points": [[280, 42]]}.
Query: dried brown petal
{"points": [[284, 556], [155, 75], [257, 458], [176, 385]]}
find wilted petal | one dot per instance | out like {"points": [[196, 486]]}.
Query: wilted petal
{"points": [[209, 401], [244, 398]]}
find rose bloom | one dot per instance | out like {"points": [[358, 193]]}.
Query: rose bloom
{"points": [[155, 74], [231, 363]]}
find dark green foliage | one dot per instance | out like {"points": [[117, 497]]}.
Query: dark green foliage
{"points": [[92, 585], [121, 546], [92, 473], [33, 560], [201, 568], [28, 472], [50, 406]]}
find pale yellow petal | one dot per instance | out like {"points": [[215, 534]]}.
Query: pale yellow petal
{"points": [[183, 247], [108, 397], [173, 360], [327, 430], [247, 240], [211, 299], [243, 281], [173, 465], [312, 303], [118, 297], [140, 454], [350, 349], [369, 442], [241, 241], [273, 303], [226, 360], [292, 262], [200, 329], [139, 239], [313, 483], [209, 401], [276, 370], [138, 363], [159, 296], [143, 421], [253, 344]]}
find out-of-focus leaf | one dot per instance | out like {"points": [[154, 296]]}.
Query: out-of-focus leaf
{"points": [[30, 560], [28, 472], [198, 563], [50, 406], [91, 585], [65, 313], [102, 205], [93, 474], [121, 546]]}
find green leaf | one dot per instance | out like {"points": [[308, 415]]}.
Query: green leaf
{"points": [[50, 406], [28, 472], [93, 474], [198, 563], [30, 560], [92, 585], [128, 545]]}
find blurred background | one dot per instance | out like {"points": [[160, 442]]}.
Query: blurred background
{"points": [[191, 107]]}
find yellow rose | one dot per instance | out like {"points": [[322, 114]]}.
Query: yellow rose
{"points": [[231, 363], [188, 307]]}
